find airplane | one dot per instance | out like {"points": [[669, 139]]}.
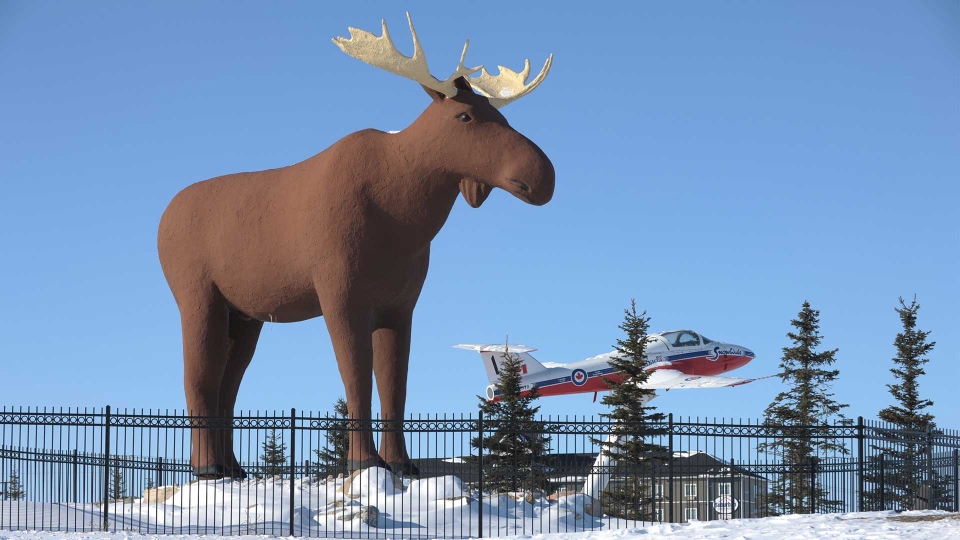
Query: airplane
{"points": [[678, 359]]}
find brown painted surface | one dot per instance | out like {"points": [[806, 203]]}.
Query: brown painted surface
{"points": [[344, 234]]}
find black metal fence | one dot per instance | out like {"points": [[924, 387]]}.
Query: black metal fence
{"points": [[98, 469]]}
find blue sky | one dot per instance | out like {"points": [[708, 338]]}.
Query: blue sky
{"points": [[719, 162]]}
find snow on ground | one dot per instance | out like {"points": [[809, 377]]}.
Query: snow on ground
{"points": [[924, 525], [375, 504]]}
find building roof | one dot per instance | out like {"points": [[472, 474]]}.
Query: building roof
{"points": [[573, 467]]}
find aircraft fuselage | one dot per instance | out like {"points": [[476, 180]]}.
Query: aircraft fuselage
{"points": [[677, 359]]}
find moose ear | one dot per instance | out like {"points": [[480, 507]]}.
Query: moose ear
{"points": [[436, 96], [462, 84]]}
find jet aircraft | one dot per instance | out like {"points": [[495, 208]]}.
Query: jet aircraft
{"points": [[678, 359]]}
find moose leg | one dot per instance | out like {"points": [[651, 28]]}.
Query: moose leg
{"points": [[243, 342], [391, 355], [204, 321], [350, 333]]}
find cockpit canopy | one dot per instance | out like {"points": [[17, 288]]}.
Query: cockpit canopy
{"points": [[684, 338]]}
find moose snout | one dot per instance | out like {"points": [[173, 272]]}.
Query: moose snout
{"points": [[539, 190], [529, 175], [523, 186], [537, 196]]}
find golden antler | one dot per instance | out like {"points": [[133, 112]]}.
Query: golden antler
{"points": [[508, 85], [380, 51]]}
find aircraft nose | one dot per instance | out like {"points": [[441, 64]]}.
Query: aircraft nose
{"points": [[740, 350]]}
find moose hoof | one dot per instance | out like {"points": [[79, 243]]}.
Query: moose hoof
{"points": [[405, 469], [353, 465], [210, 472]]}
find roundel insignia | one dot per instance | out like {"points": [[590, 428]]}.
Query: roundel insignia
{"points": [[579, 377]]}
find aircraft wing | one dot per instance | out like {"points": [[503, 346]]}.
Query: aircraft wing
{"points": [[668, 379]]}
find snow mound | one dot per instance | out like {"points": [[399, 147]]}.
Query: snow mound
{"points": [[580, 504], [435, 489], [374, 481]]}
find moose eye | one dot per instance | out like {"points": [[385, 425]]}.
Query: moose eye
{"points": [[464, 117]]}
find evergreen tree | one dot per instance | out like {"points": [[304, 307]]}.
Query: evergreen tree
{"points": [[514, 445], [912, 347], [905, 479], [274, 455], [801, 413], [149, 484], [118, 485], [14, 491], [332, 459], [635, 422]]}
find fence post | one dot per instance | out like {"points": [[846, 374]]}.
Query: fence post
{"points": [[480, 474], [730, 495], [106, 469], [670, 471], [931, 479], [860, 464], [159, 471], [813, 484], [653, 494], [293, 460], [883, 482], [76, 475], [956, 481]]}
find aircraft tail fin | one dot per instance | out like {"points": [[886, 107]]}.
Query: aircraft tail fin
{"points": [[492, 356]]}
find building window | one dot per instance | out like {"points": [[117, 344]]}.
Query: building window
{"points": [[658, 490], [660, 515], [689, 490], [689, 513], [724, 489]]}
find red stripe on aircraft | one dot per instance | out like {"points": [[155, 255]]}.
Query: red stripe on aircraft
{"points": [[690, 366]]}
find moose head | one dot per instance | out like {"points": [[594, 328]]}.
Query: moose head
{"points": [[344, 234], [467, 127]]}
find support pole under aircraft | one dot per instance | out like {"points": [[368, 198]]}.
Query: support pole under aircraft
{"points": [[599, 475]]}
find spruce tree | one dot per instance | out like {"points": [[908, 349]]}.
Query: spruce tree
{"points": [[801, 412], [514, 445], [332, 459], [14, 490], [274, 455], [635, 422], [912, 347], [905, 483], [118, 485]]}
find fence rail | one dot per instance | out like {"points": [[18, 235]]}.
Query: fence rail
{"points": [[92, 469]]}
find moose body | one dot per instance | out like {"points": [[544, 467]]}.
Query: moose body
{"points": [[344, 234]]}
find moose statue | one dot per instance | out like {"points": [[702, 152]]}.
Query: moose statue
{"points": [[344, 234]]}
